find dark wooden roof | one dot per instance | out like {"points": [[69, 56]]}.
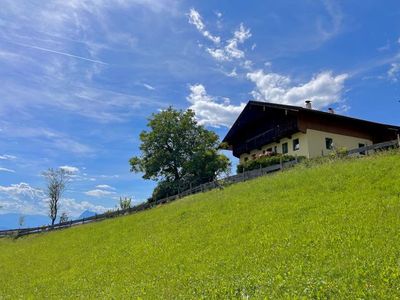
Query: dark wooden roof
{"points": [[247, 116]]}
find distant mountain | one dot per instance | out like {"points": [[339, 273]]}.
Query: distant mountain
{"points": [[86, 214], [10, 221]]}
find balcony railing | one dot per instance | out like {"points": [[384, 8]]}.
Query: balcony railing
{"points": [[267, 137]]}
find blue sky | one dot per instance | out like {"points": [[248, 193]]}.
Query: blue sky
{"points": [[79, 79]]}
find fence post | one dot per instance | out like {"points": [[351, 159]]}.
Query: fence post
{"points": [[398, 139]]}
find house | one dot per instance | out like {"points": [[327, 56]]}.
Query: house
{"points": [[264, 128]]}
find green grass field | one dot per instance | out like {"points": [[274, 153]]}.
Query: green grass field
{"points": [[328, 231]]}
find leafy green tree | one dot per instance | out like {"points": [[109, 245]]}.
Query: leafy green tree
{"points": [[178, 152]]}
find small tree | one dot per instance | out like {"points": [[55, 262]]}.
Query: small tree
{"points": [[64, 217], [57, 180], [21, 220], [178, 152], [125, 202]]}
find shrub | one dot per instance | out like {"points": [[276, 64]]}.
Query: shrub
{"points": [[339, 152], [125, 202], [64, 217], [264, 161]]}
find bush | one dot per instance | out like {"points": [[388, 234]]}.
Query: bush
{"points": [[125, 202], [164, 189], [264, 161], [339, 152]]}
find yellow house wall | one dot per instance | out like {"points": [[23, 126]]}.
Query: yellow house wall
{"points": [[317, 147], [312, 144], [303, 151]]}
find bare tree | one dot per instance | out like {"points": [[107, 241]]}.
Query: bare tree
{"points": [[21, 220], [57, 180]]}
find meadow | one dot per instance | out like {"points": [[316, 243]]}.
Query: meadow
{"points": [[331, 230]]}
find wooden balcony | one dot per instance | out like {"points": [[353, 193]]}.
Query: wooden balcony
{"points": [[267, 137]]}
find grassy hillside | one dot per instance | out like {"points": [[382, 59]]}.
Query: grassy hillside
{"points": [[330, 231]]}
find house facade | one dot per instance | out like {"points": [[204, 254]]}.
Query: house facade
{"points": [[263, 128]]}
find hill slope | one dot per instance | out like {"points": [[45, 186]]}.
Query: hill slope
{"points": [[332, 230]]}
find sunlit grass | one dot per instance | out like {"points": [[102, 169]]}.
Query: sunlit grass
{"points": [[329, 231]]}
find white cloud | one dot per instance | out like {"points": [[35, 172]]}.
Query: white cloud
{"points": [[218, 54], [248, 64], [47, 137], [25, 199], [6, 170], [231, 49], [334, 12], [70, 169], [105, 186], [23, 189], [242, 34], [109, 176], [323, 89], [63, 37], [148, 86], [7, 56], [75, 208], [196, 20], [61, 53], [7, 157], [394, 72], [233, 73], [209, 111], [99, 193]]}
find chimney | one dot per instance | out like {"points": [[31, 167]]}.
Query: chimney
{"points": [[308, 104], [330, 110]]}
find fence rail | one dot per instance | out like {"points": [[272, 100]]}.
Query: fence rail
{"points": [[380, 146], [247, 175]]}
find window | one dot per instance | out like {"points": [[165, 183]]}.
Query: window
{"points": [[329, 143], [296, 144], [359, 146], [284, 148], [275, 149], [269, 150]]}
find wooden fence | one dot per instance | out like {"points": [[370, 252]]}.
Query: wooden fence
{"points": [[247, 175]]}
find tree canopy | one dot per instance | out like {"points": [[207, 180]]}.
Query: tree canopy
{"points": [[178, 152]]}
